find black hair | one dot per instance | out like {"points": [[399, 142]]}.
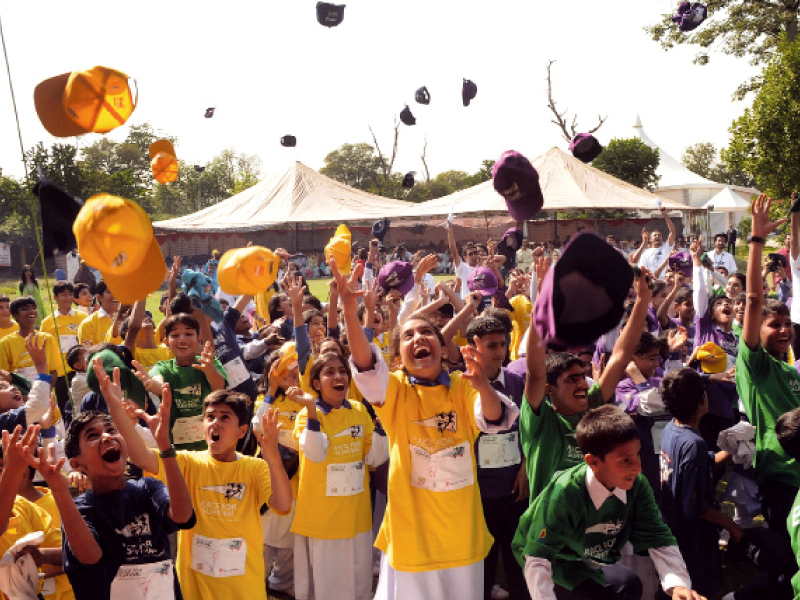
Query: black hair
{"points": [[79, 287], [658, 285], [181, 303], [72, 441], [682, 390], [603, 429], [721, 235], [741, 297], [184, 319], [787, 430], [683, 295], [741, 277], [263, 382], [313, 301], [63, 286], [319, 364], [274, 307], [559, 362], [23, 283], [501, 315], [310, 314], [771, 307], [74, 355], [239, 403], [647, 342], [18, 304], [483, 326], [100, 288]]}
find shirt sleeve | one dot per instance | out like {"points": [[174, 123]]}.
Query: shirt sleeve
{"points": [[699, 292], [755, 362], [38, 399], [671, 568], [303, 346], [507, 419], [539, 578], [373, 383]]}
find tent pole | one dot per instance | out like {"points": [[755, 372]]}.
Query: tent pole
{"points": [[486, 220], [297, 237], [555, 225]]}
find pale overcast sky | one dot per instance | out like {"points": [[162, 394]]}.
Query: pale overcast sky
{"points": [[270, 69]]}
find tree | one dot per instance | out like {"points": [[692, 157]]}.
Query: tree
{"points": [[702, 159], [630, 160], [571, 131], [764, 139], [353, 164], [741, 28]]}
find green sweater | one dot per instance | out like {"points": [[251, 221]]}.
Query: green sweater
{"points": [[563, 527]]}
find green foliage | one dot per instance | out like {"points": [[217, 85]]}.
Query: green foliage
{"points": [[630, 160], [764, 139], [741, 28], [702, 159], [355, 165]]}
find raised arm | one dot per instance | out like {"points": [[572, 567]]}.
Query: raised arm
{"points": [[663, 310], [699, 293], [635, 256], [360, 349], [673, 234], [535, 362], [242, 302], [134, 325], [451, 240]]}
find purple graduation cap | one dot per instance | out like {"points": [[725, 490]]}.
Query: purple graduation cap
{"points": [[406, 116], [288, 141], [468, 91], [330, 15], [690, 16], [408, 180], [210, 112], [583, 294], [380, 228], [585, 147], [422, 95], [518, 182], [396, 275], [682, 262]]}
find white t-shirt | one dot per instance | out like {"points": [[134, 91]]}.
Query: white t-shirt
{"points": [[723, 259], [653, 257], [462, 272]]}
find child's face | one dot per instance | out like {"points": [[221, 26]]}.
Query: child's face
{"points": [[333, 382], [80, 364], [243, 325], [5, 311], [221, 428], [103, 452], [733, 288], [108, 303], [65, 298], [316, 329], [291, 379], [286, 306], [658, 299], [440, 319], [620, 467], [183, 341], [10, 397], [777, 333], [27, 315], [723, 312], [84, 298], [570, 394], [494, 347], [738, 310], [648, 362], [420, 349], [685, 310]]}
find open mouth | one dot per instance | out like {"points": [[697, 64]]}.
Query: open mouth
{"points": [[339, 387], [214, 437], [112, 455], [422, 352]]}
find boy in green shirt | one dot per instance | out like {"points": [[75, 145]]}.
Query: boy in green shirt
{"points": [[571, 536], [558, 395]]}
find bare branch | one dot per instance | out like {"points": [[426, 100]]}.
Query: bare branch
{"points": [[394, 147], [600, 121], [424, 162], [571, 131], [380, 154]]}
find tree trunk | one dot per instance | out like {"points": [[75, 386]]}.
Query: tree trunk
{"points": [[791, 29]]}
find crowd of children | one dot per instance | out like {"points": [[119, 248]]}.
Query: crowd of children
{"points": [[429, 433]]}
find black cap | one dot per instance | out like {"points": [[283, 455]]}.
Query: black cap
{"points": [[468, 91], [289, 141], [330, 15], [59, 211], [406, 116], [380, 229], [210, 112], [422, 95], [408, 180]]}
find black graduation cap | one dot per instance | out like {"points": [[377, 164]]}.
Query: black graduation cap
{"points": [[408, 180], [422, 95], [330, 15], [468, 91], [59, 211], [210, 112], [406, 116], [380, 229], [289, 141]]}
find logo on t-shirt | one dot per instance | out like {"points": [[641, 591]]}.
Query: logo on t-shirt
{"points": [[795, 386], [354, 431], [666, 469], [291, 415], [443, 421], [229, 490], [138, 527], [611, 528], [190, 390]]}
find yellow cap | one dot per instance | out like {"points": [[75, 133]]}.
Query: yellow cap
{"points": [[288, 359], [115, 236], [248, 270], [163, 161], [71, 104], [340, 249], [712, 358]]}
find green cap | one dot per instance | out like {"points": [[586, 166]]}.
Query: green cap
{"points": [[132, 387]]}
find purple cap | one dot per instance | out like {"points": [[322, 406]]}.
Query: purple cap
{"points": [[518, 182], [585, 147], [690, 17], [482, 279], [682, 261], [468, 91], [396, 275], [583, 294]]}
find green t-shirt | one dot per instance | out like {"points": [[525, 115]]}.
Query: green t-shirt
{"points": [[768, 387], [548, 440], [563, 526], [189, 389], [793, 525]]}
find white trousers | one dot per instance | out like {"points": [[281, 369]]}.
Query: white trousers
{"points": [[333, 569], [463, 583]]}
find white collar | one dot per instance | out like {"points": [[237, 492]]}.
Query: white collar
{"points": [[102, 313], [599, 493], [501, 378], [71, 313]]}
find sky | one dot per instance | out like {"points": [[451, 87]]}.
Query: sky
{"points": [[270, 69]]}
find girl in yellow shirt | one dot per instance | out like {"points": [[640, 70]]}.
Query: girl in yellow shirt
{"points": [[332, 523]]}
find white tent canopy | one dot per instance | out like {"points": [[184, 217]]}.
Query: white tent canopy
{"points": [[727, 200], [299, 195], [567, 184]]}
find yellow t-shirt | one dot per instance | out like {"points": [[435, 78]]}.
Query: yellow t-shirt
{"points": [[14, 355], [67, 334], [228, 540], [434, 518], [520, 319], [94, 329], [262, 303], [53, 540], [4, 331], [148, 357], [333, 498], [288, 410]]}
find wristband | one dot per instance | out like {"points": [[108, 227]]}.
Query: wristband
{"points": [[756, 239], [168, 453]]}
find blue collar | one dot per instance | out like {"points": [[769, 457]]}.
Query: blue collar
{"points": [[326, 408], [442, 379]]}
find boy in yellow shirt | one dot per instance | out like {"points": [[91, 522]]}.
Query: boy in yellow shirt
{"points": [[94, 328], [67, 319], [221, 557], [13, 353], [7, 324]]}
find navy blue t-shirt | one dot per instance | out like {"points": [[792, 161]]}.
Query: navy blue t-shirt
{"points": [[687, 484], [132, 526], [226, 349]]}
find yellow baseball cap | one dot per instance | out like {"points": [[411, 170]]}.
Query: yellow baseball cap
{"points": [[115, 236], [712, 358], [97, 100], [340, 248], [249, 270], [163, 161], [287, 360]]}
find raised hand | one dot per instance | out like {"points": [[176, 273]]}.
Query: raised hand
{"points": [[348, 288], [111, 389], [642, 285], [676, 339], [759, 209], [475, 361], [299, 396], [37, 349], [268, 435], [296, 289], [206, 364], [47, 466], [16, 445]]}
